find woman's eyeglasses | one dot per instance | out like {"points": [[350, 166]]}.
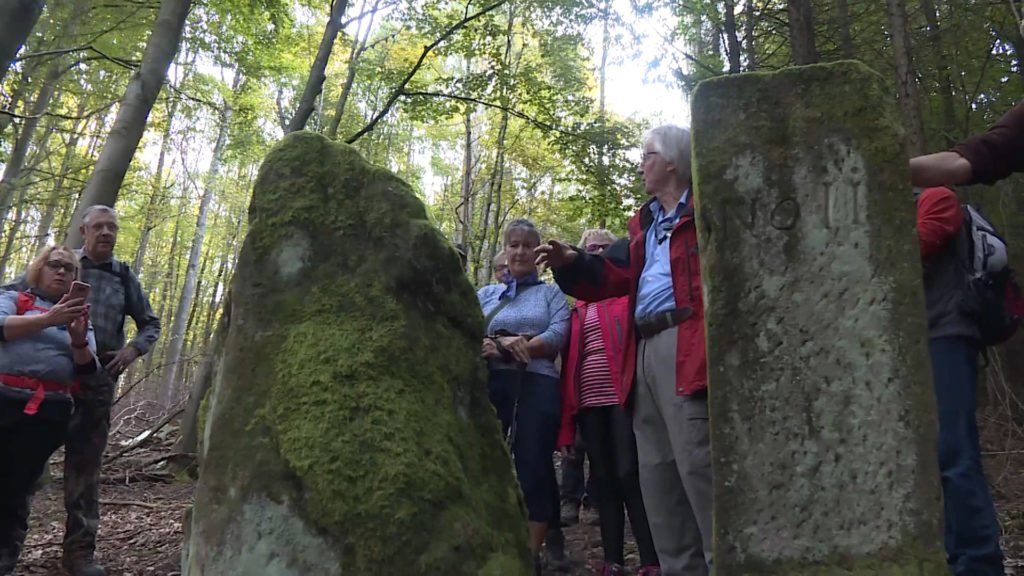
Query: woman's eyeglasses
{"points": [[594, 248], [56, 265]]}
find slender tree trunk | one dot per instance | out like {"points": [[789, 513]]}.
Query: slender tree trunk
{"points": [[494, 186], [843, 23], [801, 32], [943, 76], [177, 335], [497, 179], [732, 38], [50, 210], [463, 229], [157, 197], [317, 74], [139, 97], [906, 77], [603, 70], [167, 292], [14, 165], [188, 441], [28, 71], [204, 264], [358, 48], [17, 19], [749, 41], [12, 233]]}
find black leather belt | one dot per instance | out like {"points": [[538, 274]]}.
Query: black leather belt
{"points": [[651, 326]]}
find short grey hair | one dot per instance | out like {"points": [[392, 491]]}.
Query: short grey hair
{"points": [[597, 233], [88, 212], [673, 144], [521, 225]]}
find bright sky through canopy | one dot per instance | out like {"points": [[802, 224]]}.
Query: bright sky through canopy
{"points": [[641, 83]]}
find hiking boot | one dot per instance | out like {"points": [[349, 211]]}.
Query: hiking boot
{"points": [[556, 558], [649, 571], [613, 570], [570, 513], [82, 567]]}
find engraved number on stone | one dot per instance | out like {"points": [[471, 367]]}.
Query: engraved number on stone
{"points": [[785, 214]]}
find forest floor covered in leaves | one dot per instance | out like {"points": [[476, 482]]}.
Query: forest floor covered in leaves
{"points": [[142, 513]]}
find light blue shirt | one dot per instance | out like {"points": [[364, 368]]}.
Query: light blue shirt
{"points": [[541, 312], [655, 293]]}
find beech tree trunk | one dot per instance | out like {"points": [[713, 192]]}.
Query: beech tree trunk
{"points": [[944, 78], [749, 41], [17, 19], [317, 74], [177, 334], [801, 32], [843, 23], [16, 162], [731, 37], [139, 97], [906, 77]]}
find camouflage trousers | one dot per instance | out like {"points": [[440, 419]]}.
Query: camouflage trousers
{"points": [[26, 443], [83, 456]]}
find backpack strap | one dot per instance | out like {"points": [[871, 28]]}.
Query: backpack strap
{"points": [[123, 272], [26, 302]]}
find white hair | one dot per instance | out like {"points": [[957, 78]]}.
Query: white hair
{"points": [[87, 214], [673, 144]]}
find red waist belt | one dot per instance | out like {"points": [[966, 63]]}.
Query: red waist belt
{"points": [[39, 389]]}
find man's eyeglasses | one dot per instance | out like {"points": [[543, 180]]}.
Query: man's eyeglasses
{"points": [[595, 248], [58, 264]]}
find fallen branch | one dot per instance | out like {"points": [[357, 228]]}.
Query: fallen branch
{"points": [[147, 436], [131, 503]]}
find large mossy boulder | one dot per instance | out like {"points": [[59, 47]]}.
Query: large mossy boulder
{"points": [[349, 428]]}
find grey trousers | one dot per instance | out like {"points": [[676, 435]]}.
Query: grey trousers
{"points": [[674, 450]]}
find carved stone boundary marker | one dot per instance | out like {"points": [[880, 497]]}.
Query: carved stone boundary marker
{"points": [[822, 411]]}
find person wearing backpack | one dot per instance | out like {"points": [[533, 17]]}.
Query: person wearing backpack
{"points": [[115, 293], [955, 340], [47, 353]]}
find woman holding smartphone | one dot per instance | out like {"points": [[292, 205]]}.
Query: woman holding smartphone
{"points": [[47, 352]]}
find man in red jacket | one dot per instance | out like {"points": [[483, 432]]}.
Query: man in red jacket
{"points": [[971, 528], [665, 354]]}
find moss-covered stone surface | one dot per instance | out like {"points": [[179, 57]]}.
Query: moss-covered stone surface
{"points": [[349, 427], [822, 410]]}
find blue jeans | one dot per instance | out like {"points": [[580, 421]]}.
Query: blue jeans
{"points": [[534, 401], [972, 530]]}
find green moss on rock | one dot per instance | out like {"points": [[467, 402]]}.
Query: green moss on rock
{"points": [[351, 405]]}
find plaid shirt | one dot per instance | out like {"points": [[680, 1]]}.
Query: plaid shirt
{"points": [[110, 305]]}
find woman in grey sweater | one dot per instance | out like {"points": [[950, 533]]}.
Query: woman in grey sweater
{"points": [[46, 352], [527, 327]]}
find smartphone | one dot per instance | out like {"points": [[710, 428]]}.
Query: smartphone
{"points": [[79, 290]]}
